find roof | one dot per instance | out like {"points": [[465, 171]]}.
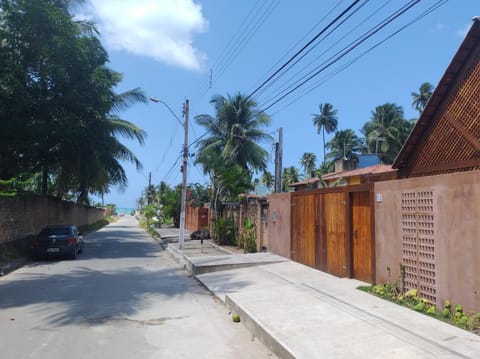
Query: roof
{"points": [[456, 117], [366, 171], [306, 182]]}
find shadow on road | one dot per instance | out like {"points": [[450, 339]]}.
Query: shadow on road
{"points": [[121, 272], [87, 296]]}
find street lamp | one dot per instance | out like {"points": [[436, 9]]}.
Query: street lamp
{"points": [[184, 166]]}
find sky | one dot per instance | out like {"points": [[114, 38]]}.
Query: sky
{"points": [[194, 49]]}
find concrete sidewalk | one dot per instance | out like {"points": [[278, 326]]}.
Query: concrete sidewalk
{"points": [[299, 312]]}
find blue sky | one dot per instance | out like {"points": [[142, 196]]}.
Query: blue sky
{"points": [[169, 48]]}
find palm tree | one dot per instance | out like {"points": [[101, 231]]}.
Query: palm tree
{"points": [[290, 175], [420, 99], [267, 179], [386, 131], [235, 134], [308, 163], [232, 151], [345, 144], [325, 121]]}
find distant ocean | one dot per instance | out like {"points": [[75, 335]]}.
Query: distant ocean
{"points": [[125, 210]]}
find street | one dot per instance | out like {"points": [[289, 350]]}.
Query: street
{"points": [[124, 297]]}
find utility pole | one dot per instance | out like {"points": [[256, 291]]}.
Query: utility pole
{"points": [[184, 177], [186, 107], [149, 191], [278, 161]]}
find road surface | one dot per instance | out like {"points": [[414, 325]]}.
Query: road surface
{"points": [[122, 298]]}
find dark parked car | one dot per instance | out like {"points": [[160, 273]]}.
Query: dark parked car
{"points": [[58, 241]]}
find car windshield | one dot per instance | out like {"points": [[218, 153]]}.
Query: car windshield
{"points": [[61, 231]]}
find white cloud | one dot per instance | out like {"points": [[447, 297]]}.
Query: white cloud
{"points": [[161, 29]]}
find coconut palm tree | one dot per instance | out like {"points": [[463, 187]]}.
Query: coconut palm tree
{"points": [[326, 121], [386, 131], [289, 175], [235, 134], [420, 99], [308, 163], [345, 144], [267, 179], [232, 150]]}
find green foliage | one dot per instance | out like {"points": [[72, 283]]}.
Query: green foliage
{"points": [[149, 212], [197, 194], [290, 175], [232, 150], [410, 299], [247, 238], [57, 105], [308, 163], [420, 99], [170, 200], [224, 231], [326, 121], [386, 131], [345, 144]]}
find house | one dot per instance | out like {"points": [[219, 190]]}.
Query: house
{"points": [[428, 218], [349, 172], [375, 173], [446, 138], [422, 227]]}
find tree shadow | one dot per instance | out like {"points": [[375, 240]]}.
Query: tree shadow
{"points": [[86, 296]]}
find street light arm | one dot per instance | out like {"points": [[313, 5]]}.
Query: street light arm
{"points": [[157, 100]]}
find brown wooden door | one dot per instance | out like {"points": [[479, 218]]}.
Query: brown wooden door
{"points": [[335, 233], [303, 229], [362, 236]]}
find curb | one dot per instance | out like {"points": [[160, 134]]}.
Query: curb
{"points": [[12, 266], [255, 327]]}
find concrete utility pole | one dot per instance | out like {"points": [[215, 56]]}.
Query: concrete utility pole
{"points": [[186, 107], [181, 240], [278, 161]]}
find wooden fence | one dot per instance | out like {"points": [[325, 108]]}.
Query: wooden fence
{"points": [[196, 218], [333, 230]]}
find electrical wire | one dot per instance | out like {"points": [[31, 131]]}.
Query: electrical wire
{"points": [[245, 32], [303, 49], [299, 42], [340, 54], [351, 62]]}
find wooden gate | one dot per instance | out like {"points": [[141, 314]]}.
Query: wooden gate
{"points": [[362, 234], [332, 230]]}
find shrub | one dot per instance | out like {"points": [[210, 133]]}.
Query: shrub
{"points": [[247, 239], [224, 231]]}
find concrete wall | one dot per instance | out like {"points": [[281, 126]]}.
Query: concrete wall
{"points": [[455, 228], [278, 224], [21, 217]]}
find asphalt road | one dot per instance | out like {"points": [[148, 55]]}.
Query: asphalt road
{"points": [[122, 298]]}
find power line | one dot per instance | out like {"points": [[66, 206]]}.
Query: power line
{"points": [[303, 48], [342, 53], [347, 65], [245, 39], [300, 40], [245, 32], [293, 64]]}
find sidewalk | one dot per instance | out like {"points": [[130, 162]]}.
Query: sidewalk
{"points": [[299, 312]]}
